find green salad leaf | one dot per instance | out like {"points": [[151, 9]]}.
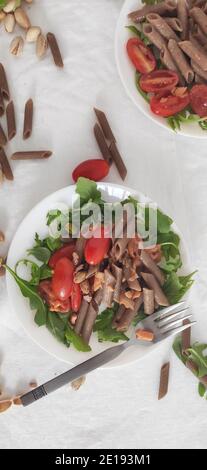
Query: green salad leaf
{"points": [[103, 327], [151, 2], [76, 340], [87, 190], [45, 272], [201, 389], [52, 215], [175, 287], [139, 33], [57, 325], [41, 253], [36, 303], [143, 93]]}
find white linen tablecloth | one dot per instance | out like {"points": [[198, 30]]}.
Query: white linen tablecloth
{"points": [[116, 408]]}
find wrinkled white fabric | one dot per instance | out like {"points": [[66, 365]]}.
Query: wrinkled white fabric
{"points": [[116, 408]]}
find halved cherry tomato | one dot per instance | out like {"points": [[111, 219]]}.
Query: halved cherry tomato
{"points": [[97, 248], [159, 81], [95, 169], [140, 55], [62, 280], [169, 104], [64, 251], [46, 292], [198, 99], [76, 297]]}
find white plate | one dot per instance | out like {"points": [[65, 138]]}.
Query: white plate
{"points": [[127, 73], [34, 222]]}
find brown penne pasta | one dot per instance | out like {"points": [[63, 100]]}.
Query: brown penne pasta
{"points": [[32, 155], [129, 315], [160, 8], [1, 104], [4, 88], [7, 171], [201, 73], [3, 138], [100, 139], [117, 273], [174, 23], [116, 157], [149, 301], [103, 121], [195, 52], [81, 316], [152, 267], [200, 18], [52, 41], [181, 61], [89, 321], [168, 61], [154, 36], [164, 380], [98, 296], [182, 12], [199, 80], [118, 316], [200, 36], [153, 284], [108, 288], [160, 24], [11, 122], [28, 119]]}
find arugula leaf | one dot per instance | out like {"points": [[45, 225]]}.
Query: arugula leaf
{"points": [[45, 272], [52, 215], [103, 326], [177, 348], [87, 190], [176, 286], [76, 340], [138, 33], [201, 389], [195, 352], [41, 253], [30, 292], [57, 325], [53, 244], [142, 93], [139, 317], [151, 2]]}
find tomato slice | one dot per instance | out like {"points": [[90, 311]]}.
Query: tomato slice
{"points": [[55, 305], [95, 169], [198, 99], [170, 103], [62, 280], [97, 248], [76, 297], [159, 81], [64, 251], [140, 55]]}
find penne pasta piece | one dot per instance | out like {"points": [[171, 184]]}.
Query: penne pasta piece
{"points": [[81, 316], [4, 88], [182, 11], [52, 41], [134, 285], [3, 138], [118, 160], [153, 284], [117, 273], [174, 23], [11, 123], [154, 36], [168, 61], [118, 316], [128, 315], [32, 155], [98, 296], [89, 321], [103, 121], [160, 24], [28, 119], [164, 380], [100, 139], [200, 18], [181, 61], [149, 302], [1, 104], [4, 163], [152, 267], [195, 52], [108, 288], [201, 73], [120, 246], [199, 80], [160, 8], [200, 36]]}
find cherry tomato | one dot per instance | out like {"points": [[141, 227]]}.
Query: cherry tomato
{"points": [[95, 169], [140, 55], [55, 305], [64, 251], [198, 99], [97, 248], [159, 81], [169, 104], [62, 280], [76, 297]]}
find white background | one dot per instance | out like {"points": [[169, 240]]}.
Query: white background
{"points": [[115, 408]]}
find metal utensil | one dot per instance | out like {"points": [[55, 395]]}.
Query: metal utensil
{"points": [[163, 323]]}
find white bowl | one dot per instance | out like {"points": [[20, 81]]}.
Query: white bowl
{"points": [[127, 73], [34, 222]]}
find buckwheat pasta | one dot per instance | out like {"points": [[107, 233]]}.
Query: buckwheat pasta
{"points": [[81, 316], [119, 313], [103, 121], [181, 61], [160, 8], [52, 41], [152, 267], [3, 138], [174, 23], [129, 314], [183, 17], [100, 139], [1, 104], [160, 24], [153, 35], [198, 70], [4, 163], [196, 53], [32, 155], [108, 288], [117, 272], [4, 84], [28, 119], [89, 321], [149, 304], [168, 61], [200, 36], [11, 123], [153, 284], [200, 18]]}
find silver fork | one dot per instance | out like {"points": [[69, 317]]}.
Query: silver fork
{"points": [[163, 323]]}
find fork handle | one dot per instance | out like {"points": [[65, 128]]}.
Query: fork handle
{"points": [[72, 374]]}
